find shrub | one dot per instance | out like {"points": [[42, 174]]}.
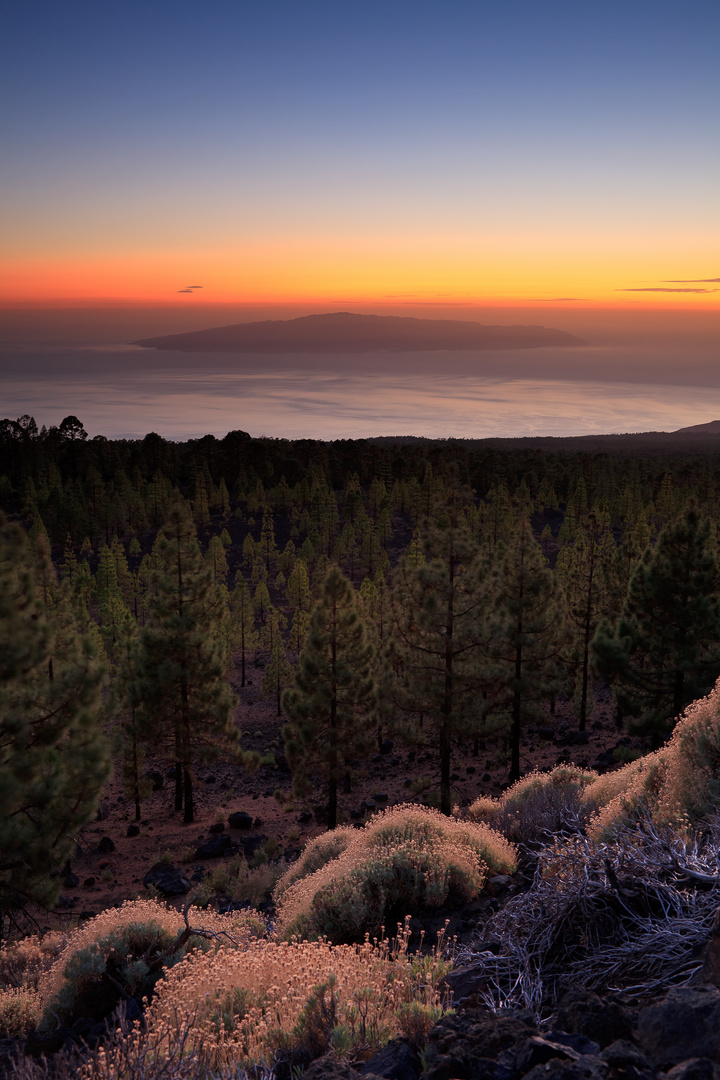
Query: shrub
{"points": [[23, 962], [19, 1012], [316, 853], [538, 805], [298, 1000], [406, 856], [238, 883], [129, 946]]}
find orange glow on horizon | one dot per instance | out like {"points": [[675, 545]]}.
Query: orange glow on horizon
{"points": [[433, 272]]}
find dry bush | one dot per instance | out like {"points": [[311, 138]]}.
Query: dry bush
{"points": [[406, 856], [679, 785], [23, 962], [538, 805], [19, 1012], [127, 1053], [124, 951], [316, 853], [630, 914], [298, 1000]]}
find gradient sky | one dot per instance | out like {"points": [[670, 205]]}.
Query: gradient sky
{"points": [[508, 152]]}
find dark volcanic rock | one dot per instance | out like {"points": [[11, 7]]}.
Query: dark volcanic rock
{"points": [[240, 820], [167, 879], [133, 830], [686, 1024], [106, 846], [396, 1061], [584, 1013], [215, 847], [465, 1046]]}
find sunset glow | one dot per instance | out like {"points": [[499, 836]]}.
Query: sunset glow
{"points": [[483, 154]]}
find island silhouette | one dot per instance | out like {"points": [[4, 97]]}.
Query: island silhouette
{"points": [[344, 331]]}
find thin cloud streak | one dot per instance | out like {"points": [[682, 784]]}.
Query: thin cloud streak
{"points": [[656, 289]]}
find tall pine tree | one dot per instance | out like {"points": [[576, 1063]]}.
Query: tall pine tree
{"points": [[330, 708], [186, 701]]}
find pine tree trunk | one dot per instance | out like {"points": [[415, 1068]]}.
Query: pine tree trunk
{"points": [[446, 720], [189, 815], [332, 781], [586, 639]]}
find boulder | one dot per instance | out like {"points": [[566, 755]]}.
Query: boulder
{"points": [[692, 1069], [582, 1012], [465, 1045], [106, 846], [167, 879], [396, 1061], [215, 847], [685, 1025], [133, 830], [240, 820], [330, 1067]]}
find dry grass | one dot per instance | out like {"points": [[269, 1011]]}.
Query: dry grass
{"points": [[23, 962], [405, 856]]}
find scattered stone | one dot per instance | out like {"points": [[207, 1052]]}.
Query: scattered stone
{"points": [[305, 817], [686, 1024], [386, 746], [88, 882], [330, 1067], [106, 846], [133, 830], [466, 1044], [167, 879], [217, 827], [291, 853], [367, 806], [486, 778], [581, 1043], [240, 820], [210, 780], [471, 770], [215, 847], [380, 796]]}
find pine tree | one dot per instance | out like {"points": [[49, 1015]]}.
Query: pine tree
{"points": [[54, 759], [664, 650], [529, 634], [278, 672], [186, 700], [440, 605], [330, 707], [582, 568], [244, 617]]}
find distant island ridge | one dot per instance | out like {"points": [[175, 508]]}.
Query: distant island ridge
{"points": [[343, 331]]}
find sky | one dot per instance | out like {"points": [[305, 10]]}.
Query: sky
{"points": [[451, 156]]}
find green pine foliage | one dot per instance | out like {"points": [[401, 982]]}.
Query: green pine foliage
{"points": [[187, 704], [54, 759], [440, 603], [664, 650], [330, 708], [529, 635]]}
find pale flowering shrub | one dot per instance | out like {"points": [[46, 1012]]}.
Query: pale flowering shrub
{"points": [[316, 853], [678, 785], [408, 855], [19, 1011], [298, 1000], [127, 947], [23, 962], [539, 804]]}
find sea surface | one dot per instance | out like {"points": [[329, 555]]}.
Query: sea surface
{"points": [[125, 391]]}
